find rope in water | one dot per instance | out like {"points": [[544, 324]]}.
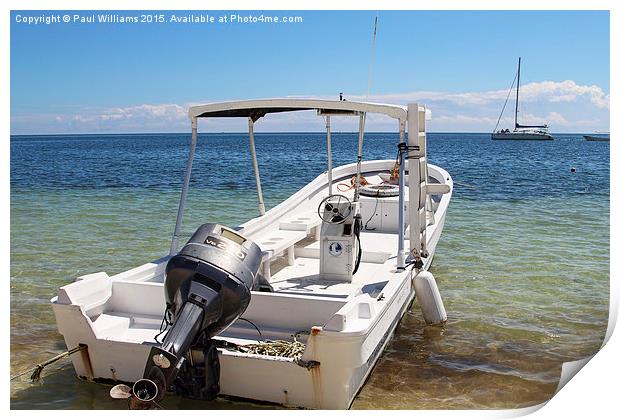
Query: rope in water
{"points": [[292, 349], [38, 369], [464, 185]]}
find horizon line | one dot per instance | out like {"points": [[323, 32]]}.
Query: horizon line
{"points": [[265, 132]]}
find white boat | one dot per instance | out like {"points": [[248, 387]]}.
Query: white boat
{"points": [[336, 270], [520, 132], [597, 137]]}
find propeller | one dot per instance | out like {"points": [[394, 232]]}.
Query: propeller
{"points": [[142, 396], [120, 392]]}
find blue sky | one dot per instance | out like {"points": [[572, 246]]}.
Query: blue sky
{"points": [[89, 78]]}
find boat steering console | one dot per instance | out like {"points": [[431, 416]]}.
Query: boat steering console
{"points": [[340, 245], [335, 209]]}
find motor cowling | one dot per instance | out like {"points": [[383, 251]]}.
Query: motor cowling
{"points": [[208, 286], [221, 260]]}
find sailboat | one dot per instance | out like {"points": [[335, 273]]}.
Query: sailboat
{"points": [[520, 132]]}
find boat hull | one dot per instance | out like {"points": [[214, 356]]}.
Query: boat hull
{"points": [[521, 136], [345, 361], [344, 345], [596, 138]]}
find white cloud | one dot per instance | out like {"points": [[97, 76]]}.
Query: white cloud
{"points": [[556, 119], [463, 119], [566, 106], [566, 91], [148, 112]]}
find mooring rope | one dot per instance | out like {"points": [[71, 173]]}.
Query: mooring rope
{"points": [[292, 349], [38, 369], [281, 348], [464, 185]]}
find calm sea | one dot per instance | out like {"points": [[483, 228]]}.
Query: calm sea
{"points": [[523, 263]]}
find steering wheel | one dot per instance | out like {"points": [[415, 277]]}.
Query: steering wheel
{"points": [[334, 209]]}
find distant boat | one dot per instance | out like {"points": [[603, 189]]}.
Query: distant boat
{"points": [[597, 137], [520, 132]]}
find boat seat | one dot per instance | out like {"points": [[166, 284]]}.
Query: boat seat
{"points": [[303, 221], [143, 298], [276, 242], [134, 328]]}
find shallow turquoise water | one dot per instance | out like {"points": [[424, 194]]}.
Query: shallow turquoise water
{"points": [[523, 263]]}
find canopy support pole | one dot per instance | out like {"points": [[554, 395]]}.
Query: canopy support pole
{"points": [[400, 262], [329, 153], [360, 142], [416, 121], [188, 172], [259, 190]]}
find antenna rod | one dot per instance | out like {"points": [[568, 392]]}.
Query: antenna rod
{"points": [[517, 102], [372, 57]]}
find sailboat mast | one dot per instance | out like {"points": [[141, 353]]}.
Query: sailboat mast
{"points": [[517, 102]]}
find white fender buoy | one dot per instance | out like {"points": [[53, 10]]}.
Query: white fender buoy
{"points": [[427, 293]]}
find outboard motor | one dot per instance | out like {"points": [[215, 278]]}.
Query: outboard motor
{"points": [[207, 288]]}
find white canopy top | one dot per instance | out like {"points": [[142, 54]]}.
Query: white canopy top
{"points": [[255, 109], [259, 107]]}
